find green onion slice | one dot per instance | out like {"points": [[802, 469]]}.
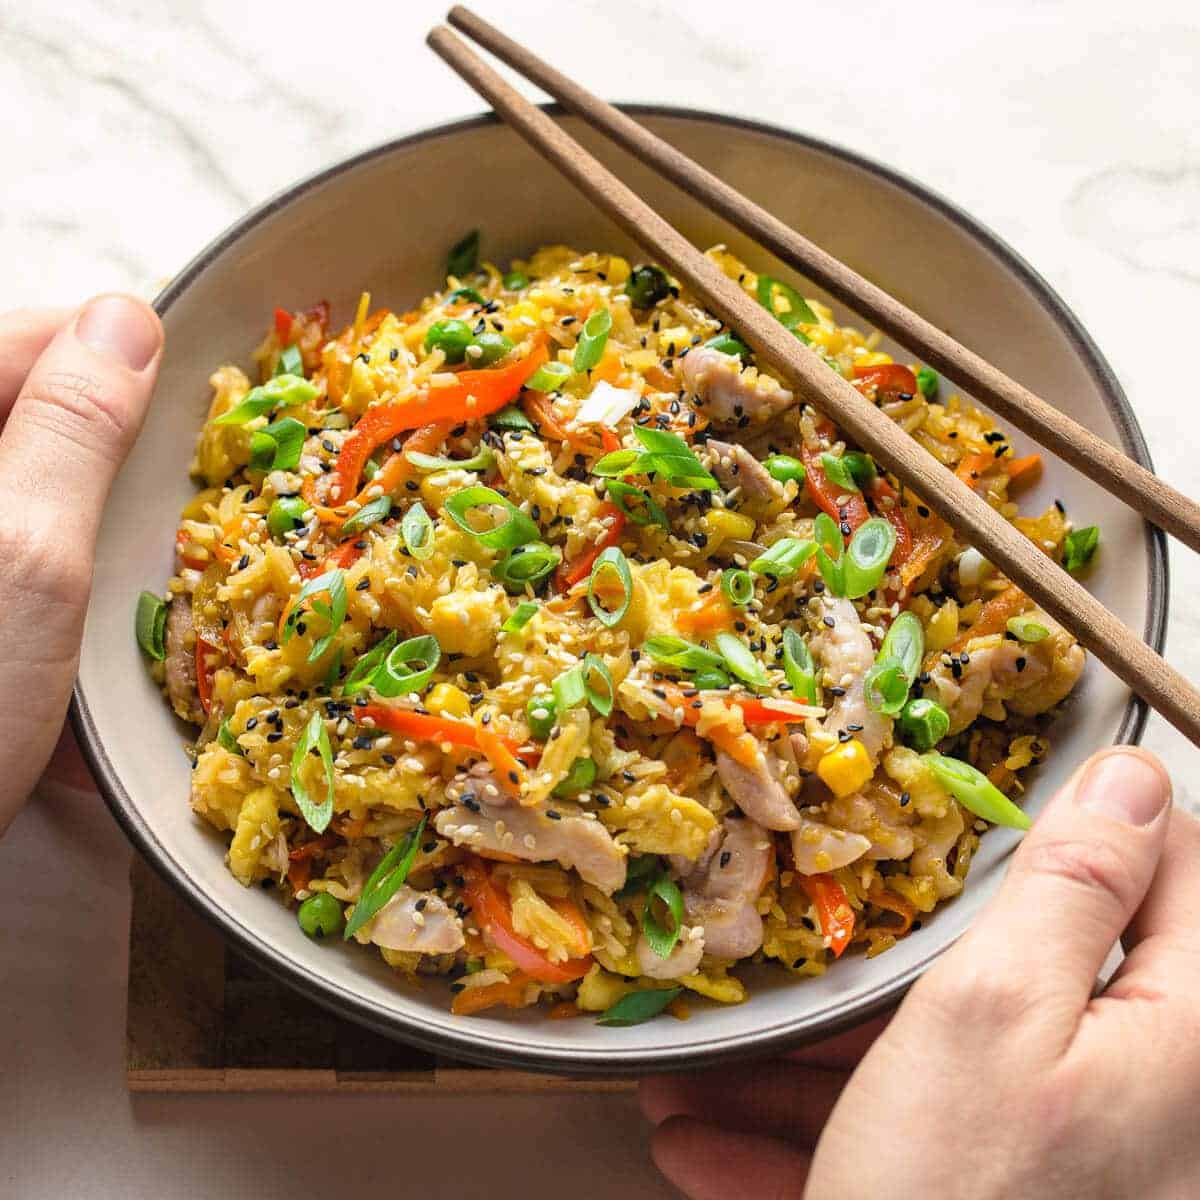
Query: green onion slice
{"points": [[150, 624], [480, 461], [549, 377], [416, 530], [838, 472], [569, 689], [290, 362], [359, 678], [395, 676], [867, 557], [799, 668], [1025, 629], [333, 609], [975, 792], [861, 467], [314, 737], [663, 940], [617, 462], [368, 515], [386, 880], [464, 255], [740, 661], [639, 506], [512, 418], [638, 1007], [671, 457], [737, 586], [601, 700], [639, 870], [515, 530], [465, 293], [614, 561], [905, 642], [1079, 548], [923, 723], [278, 447], [592, 340], [731, 344], [784, 557], [885, 687], [578, 779], [685, 656], [526, 565], [796, 310], [280, 392], [519, 617], [227, 741]]}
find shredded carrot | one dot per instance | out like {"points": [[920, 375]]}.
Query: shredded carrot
{"points": [[1024, 471], [509, 772], [994, 615], [890, 902], [540, 410], [972, 467], [232, 532], [712, 614], [510, 993]]}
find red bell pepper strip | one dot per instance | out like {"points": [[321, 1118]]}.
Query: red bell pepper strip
{"points": [[568, 576], [894, 514], [283, 324], [834, 913], [825, 493], [473, 394], [345, 556], [494, 915], [205, 672], [424, 727], [891, 381]]}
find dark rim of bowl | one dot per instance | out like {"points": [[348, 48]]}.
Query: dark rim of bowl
{"points": [[613, 1060]]}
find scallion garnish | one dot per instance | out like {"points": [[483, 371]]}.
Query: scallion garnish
{"points": [[575, 685], [359, 678], [526, 565], [280, 392], [866, 558], [592, 340], [784, 557], [315, 737], [638, 1007], [639, 506], [896, 666], [795, 310], [464, 255], [465, 293], [837, 470], [861, 467], [386, 880], [671, 457], [611, 561], [395, 676], [639, 871], [416, 531], [519, 617], [740, 661], [662, 939], [515, 530], [578, 779], [227, 741], [479, 461], [549, 377], [1025, 629], [569, 689], [799, 668], [975, 792], [683, 655], [616, 463], [512, 418], [278, 447], [1079, 548], [737, 586], [923, 723], [290, 362], [333, 609], [150, 624], [370, 514], [728, 343]]}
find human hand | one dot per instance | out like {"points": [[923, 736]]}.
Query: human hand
{"points": [[1001, 1075], [74, 388]]}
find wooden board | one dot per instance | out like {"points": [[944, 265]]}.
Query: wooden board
{"points": [[203, 1019]]}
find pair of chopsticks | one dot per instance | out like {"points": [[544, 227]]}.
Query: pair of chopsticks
{"points": [[1118, 647]]}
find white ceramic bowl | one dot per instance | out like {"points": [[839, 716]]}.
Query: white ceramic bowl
{"points": [[383, 221]]}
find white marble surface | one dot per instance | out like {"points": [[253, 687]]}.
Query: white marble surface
{"points": [[135, 132]]}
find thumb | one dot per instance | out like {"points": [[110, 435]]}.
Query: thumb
{"points": [[71, 425], [1073, 886]]}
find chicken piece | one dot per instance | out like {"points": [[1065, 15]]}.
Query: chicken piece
{"points": [[721, 895], [876, 814], [817, 847], [572, 839], [735, 467], [846, 654], [763, 792], [180, 662], [938, 835], [683, 960], [432, 928], [1002, 674], [730, 396]]}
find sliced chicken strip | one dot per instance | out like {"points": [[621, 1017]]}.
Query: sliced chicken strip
{"points": [[727, 394], [683, 960], [817, 847], [875, 813], [722, 895], [573, 839], [735, 467], [846, 654], [761, 791], [417, 922], [181, 661]]}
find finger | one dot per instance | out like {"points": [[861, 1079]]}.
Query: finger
{"points": [[24, 334], [706, 1162], [778, 1099], [67, 434], [843, 1052], [1074, 885]]}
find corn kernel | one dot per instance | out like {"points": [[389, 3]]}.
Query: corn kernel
{"points": [[846, 768], [720, 523], [448, 700], [618, 270], [872, 359]]}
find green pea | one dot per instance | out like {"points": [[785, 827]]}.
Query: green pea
{"points": [[287, 513], [861, 467], [710, 680], [784, 467], [451, 337], [494, 346], [579, 778], [646, 286], [320, 916], [516, 280], [928, 382], [541, 713]]}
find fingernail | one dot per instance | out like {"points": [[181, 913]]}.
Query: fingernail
{"points": [[121, 328], [1126, 786]]}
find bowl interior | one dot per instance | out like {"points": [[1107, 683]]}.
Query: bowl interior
{"points": [[383, 222]]}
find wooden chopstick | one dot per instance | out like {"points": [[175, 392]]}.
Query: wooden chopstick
{"points": [[1141, 489], [1159, 684]]}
